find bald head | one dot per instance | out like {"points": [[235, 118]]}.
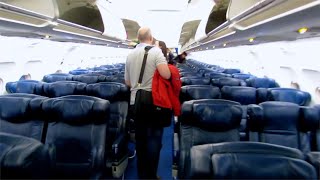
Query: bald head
{"points": [[144, 35]]}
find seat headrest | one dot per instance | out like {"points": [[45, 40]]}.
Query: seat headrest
{"points": [[194, 92], [89, 79], [231, 71], [30, 87], [242, 76], [273, 115], [195, 81], [19, 108], [189, 74], [57, 77], [216, 115], [11, 87], [216, 75], [289, 95], [63, 88], [219, 158], [226, 81], [111, 91], [243, 95], [77, 109], [262, 83]]}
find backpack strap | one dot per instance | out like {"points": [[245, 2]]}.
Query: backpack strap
{"points": [[146, 49]]}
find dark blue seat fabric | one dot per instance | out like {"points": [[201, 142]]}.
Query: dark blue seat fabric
{"points": [[116, 78], [242, 76], [193, 92], [284, 94], [216, 75], [226, 81], [23, 158], [207, 121], [24, 86], [248, 160], [20, 114], [243, 95], [190, 74], [77, 131], [282, 123], [79, 71], [315, 135], [89, 78], [314, 159], [57, 77], [231, 71], [63, 88], [194, 81], [262, 83]]}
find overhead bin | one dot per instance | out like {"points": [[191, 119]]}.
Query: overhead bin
{"points": [[260, 21], [60, 20]]}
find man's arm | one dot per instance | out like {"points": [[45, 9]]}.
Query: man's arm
{"points": [[126, 74]]}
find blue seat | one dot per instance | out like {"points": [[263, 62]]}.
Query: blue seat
{"points": [[57, 77], [79, 71], [24, 86], [243, 95], [284, 94], [262, 83], [282, 123], [242, 76], [248, 160], [315, 135], [226, 81], [190, 74], [77, 131], [63, 88], [118, 95], [23, 158], [216, 75], [20, 114], [231, 71], [193, 92], [89, 78], [195, 81], [207, 121]]}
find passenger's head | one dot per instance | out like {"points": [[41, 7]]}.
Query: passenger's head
{"points": [[163, 47], [183, 55], [145, 36]]}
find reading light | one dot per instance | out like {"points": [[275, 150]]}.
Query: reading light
{"points": [[47, 36], [89, 42], [213, 47], [225, 44], [303, 30], [251, 39]]}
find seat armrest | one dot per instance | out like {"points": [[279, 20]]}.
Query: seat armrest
{"points": [[119, 148], [176, 149], [314, 159]]}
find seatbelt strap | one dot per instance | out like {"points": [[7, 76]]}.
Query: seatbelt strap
{"points": [[146, 50]]}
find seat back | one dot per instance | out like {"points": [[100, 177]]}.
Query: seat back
{"points": [[23, 158], [248, 160], [63, 88], [282, 123], [243, 95], [194, 81], [315, 134], [207, 121], [20, 114], [25, 86], [193, 92], [216, 75], [231, 71], [89, 78], [118, 95], [242, 76], [190, 74], [262, 83], [226, 81], [77, 130], [57, 77], [285, 95], [79, 71]]}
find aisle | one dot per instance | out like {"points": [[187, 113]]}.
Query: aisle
{"points": [[164, 170]]}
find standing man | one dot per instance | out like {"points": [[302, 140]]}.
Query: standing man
{"points": [[148, 138]]}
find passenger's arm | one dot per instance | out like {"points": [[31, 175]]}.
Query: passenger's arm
{"points": [[162, 65]]}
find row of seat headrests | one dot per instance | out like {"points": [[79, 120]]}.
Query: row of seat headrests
{"points": [[111, 91], [223, 115], [85, 78], [105, 69], [71, 109], [245, 95]]}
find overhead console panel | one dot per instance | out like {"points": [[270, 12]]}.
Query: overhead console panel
{"points": [[249, 22], [59, 20]]}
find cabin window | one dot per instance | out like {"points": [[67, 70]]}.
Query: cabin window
{"points": [[318, 91]]}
